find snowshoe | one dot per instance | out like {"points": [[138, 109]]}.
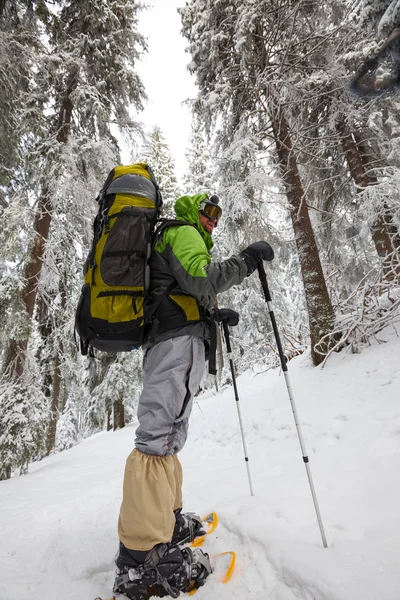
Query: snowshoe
{"points": [[167, 570], [188, 526]]}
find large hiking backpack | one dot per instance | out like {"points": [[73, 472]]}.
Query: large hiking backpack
{"points": [[111, 311]]}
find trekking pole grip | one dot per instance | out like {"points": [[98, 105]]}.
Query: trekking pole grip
{"points": [[264, 282], [227, 336]]}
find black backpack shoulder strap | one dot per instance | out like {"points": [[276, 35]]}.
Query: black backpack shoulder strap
{"points": [[163, 224]]}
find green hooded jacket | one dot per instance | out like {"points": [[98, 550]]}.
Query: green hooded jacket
{"points": [[182, 257]]}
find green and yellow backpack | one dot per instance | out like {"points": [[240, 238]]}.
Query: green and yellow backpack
{"points": [[111, 311]]}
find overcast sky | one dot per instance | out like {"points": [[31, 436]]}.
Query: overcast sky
{"points": [[165, 76]]}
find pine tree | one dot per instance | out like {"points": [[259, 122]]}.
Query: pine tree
{"points": [[235, 54], [90, 81], [199, 177], [157, 154], [84, 82], [19, 39]]}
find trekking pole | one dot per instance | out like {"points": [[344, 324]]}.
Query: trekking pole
{"points": [[264, 283], [229, 351]]}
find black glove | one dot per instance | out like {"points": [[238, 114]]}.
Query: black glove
{"points": [[226, 314], [255, 253]]}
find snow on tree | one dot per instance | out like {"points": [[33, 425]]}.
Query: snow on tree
{"points": [[117, 391], [81, 79], [294, 159], [23, 419], [200, 175], [157, 154], [235, 53], [282, 71], [85, 80], [378, 17]]}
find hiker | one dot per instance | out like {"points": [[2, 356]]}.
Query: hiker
{"points": [[151, 523]]}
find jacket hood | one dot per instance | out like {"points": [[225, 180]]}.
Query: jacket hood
{"points": [[187, 209]]}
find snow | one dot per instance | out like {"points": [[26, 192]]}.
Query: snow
{"points": [[58, 523]]}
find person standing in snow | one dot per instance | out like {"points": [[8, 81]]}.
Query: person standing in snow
{"points": [[151, 523]]}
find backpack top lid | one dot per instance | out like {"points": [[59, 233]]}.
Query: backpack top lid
{"points": [[136, 179], [133, 184]]}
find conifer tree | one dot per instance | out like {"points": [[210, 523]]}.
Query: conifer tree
{"points": [[82, 83], [199, 177], [236, 50], [88, 80], [157, 154]]}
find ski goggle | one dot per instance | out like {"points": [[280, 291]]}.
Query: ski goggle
{"points": [[211, 211]]}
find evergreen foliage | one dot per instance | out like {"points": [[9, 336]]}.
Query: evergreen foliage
{"points": [[275, 76], [200, 176], [157, 154], [76, 81]]}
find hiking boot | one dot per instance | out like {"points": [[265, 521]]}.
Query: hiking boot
{"points": [[188, 526], [167, 570]]}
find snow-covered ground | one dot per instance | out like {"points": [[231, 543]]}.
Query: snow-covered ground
{"points": [[58, 523]]}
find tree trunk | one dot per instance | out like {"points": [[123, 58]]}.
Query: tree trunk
{"points": [[121, 422], [12, 368], [118, 414], [46, 329], [115, 414], [109, 426], [48, 323], [2, 7], [383, 227], [5, 474], [367, 158], [55, 406], [320, 311]]}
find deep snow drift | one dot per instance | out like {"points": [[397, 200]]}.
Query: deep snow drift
{"points": [[58, 523]]}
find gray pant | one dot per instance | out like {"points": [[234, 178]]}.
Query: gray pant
{"points": [[172, 371]]}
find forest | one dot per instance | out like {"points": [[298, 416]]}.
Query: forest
{"points": [[296, 158]]}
